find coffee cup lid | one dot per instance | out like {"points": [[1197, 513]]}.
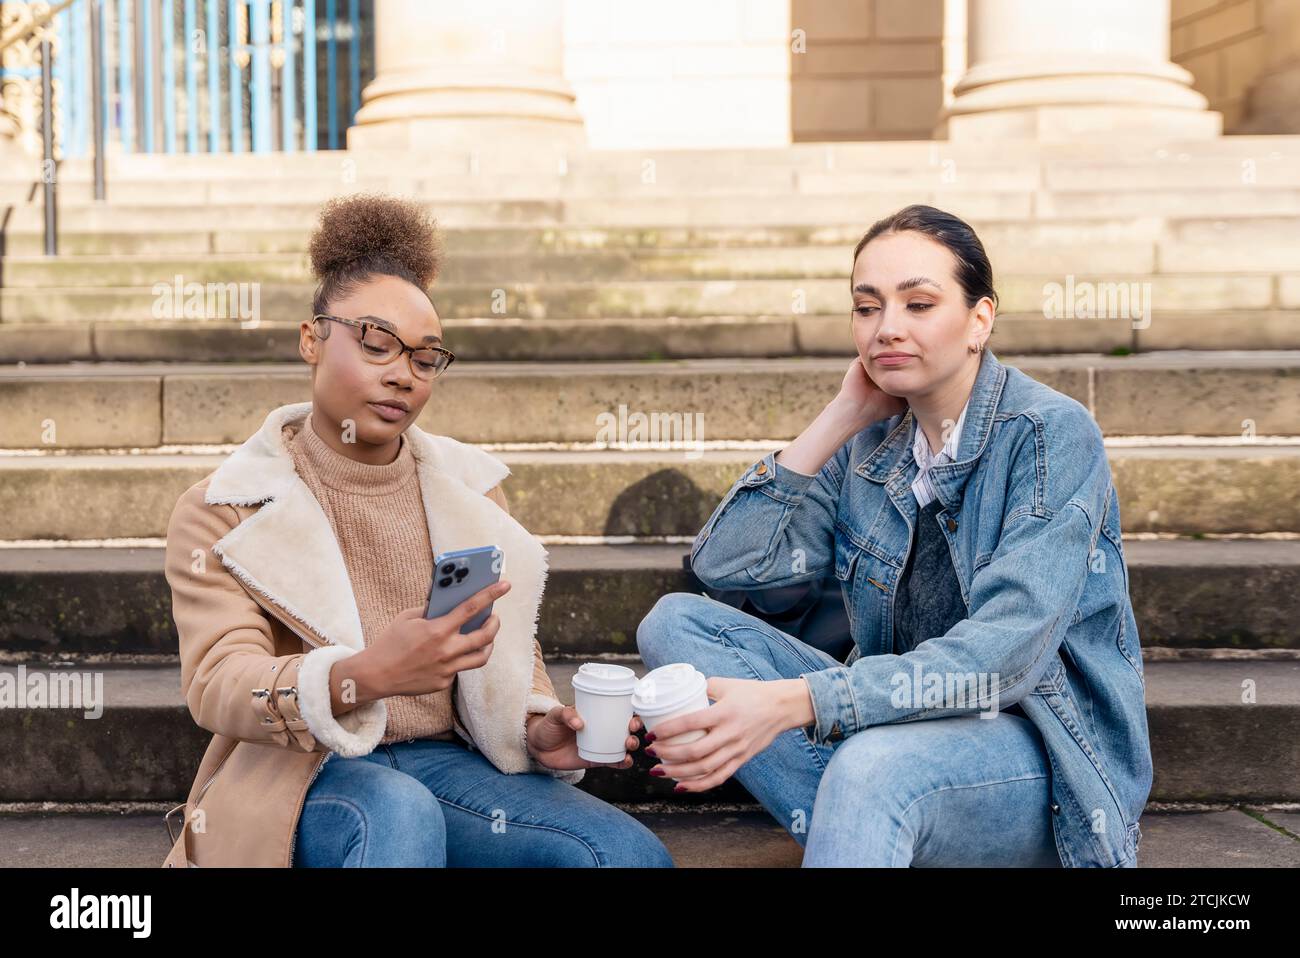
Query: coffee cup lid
{"points": [[604, 678], [668, 688]]}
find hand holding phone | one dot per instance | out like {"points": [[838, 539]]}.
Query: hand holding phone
{"points": [[459, 575], [416, 655]]}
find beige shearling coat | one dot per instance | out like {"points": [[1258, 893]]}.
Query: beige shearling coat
{"points": [[263, 607]]}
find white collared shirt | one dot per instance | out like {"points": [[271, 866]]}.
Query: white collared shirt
{"points": [[922, 488]]}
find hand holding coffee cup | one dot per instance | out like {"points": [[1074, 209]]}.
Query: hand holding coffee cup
{"points": [[667, 693], [602, 694], [597, 730], [701, 745], [670, 691]]}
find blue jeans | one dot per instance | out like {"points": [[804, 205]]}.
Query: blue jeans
{"points": [[433, 804], [959, 791]]}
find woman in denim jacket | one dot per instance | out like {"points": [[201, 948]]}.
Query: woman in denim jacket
{"points": [[992, 709]]}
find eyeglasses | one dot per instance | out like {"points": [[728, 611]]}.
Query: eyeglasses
{"points": [[380, 346]]}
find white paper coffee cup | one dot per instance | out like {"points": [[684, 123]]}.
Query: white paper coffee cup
{"points": [[602, 694], [667, 692]]}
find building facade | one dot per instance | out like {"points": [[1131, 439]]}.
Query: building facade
{"points": [[190, 76]]}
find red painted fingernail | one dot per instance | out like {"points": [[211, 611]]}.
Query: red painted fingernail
{"points": [[651, 752], [657, 770], [680, 788], [649, 736]]}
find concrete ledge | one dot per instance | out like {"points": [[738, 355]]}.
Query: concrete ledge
{"points": [[128, 405], [1176, 489], [501, 339], [281, 297], [1224, 594]]}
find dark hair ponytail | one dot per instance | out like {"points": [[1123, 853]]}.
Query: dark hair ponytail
{"points": [[974, 272]]}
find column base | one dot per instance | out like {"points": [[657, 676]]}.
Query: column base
{"points": [[1064, 123]]}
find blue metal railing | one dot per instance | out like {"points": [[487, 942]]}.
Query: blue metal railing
{"points": [[162, 90]]}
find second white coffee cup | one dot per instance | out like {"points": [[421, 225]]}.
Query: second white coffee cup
{"points": [[667, 692], [602, 694]]}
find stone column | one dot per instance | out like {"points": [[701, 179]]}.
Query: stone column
{"points": [[468, 74], [1273, 104], [1056, 71]]}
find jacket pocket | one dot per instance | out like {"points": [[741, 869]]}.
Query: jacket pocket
{"points": [[846, 554], [180, 853]]}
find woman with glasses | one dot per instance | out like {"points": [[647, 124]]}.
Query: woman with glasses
{"points": [[349, 730]]}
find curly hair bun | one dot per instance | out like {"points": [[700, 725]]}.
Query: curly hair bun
{"points": [[374, 233]]}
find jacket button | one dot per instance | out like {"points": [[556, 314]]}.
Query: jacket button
{"points": [[761, 469], [1056, 809], [952, 525]]}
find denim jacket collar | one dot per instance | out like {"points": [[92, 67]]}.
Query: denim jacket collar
{"points": [[894, 455]]}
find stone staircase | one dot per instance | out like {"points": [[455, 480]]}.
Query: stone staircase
{"points": [[709, 282]]}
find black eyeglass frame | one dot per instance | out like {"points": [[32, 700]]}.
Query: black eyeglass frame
{"points": [[363, 326]]}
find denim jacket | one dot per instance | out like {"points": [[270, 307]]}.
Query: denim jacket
{"points": [[1032, 518]]}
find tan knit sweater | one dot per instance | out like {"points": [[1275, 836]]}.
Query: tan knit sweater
{"points": [[377, 514]]}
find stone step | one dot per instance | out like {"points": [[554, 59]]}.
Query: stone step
{"points": [[814, 201], [1187, 594], [511, 340], [752, 179], [142, 405], [1206, 744], [659, 210], [1119, 260], [649, 178], [589, 266], [1130, 298], [501, 339], [1194, 171], [1172, 488], [1003, 238], [1091, 158], [738, 837], [1215, 201], [574, 172], [940, 168]]}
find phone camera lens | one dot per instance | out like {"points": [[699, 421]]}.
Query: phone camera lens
{"points": [[447, 568], [461, 573], [443, 583]]}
